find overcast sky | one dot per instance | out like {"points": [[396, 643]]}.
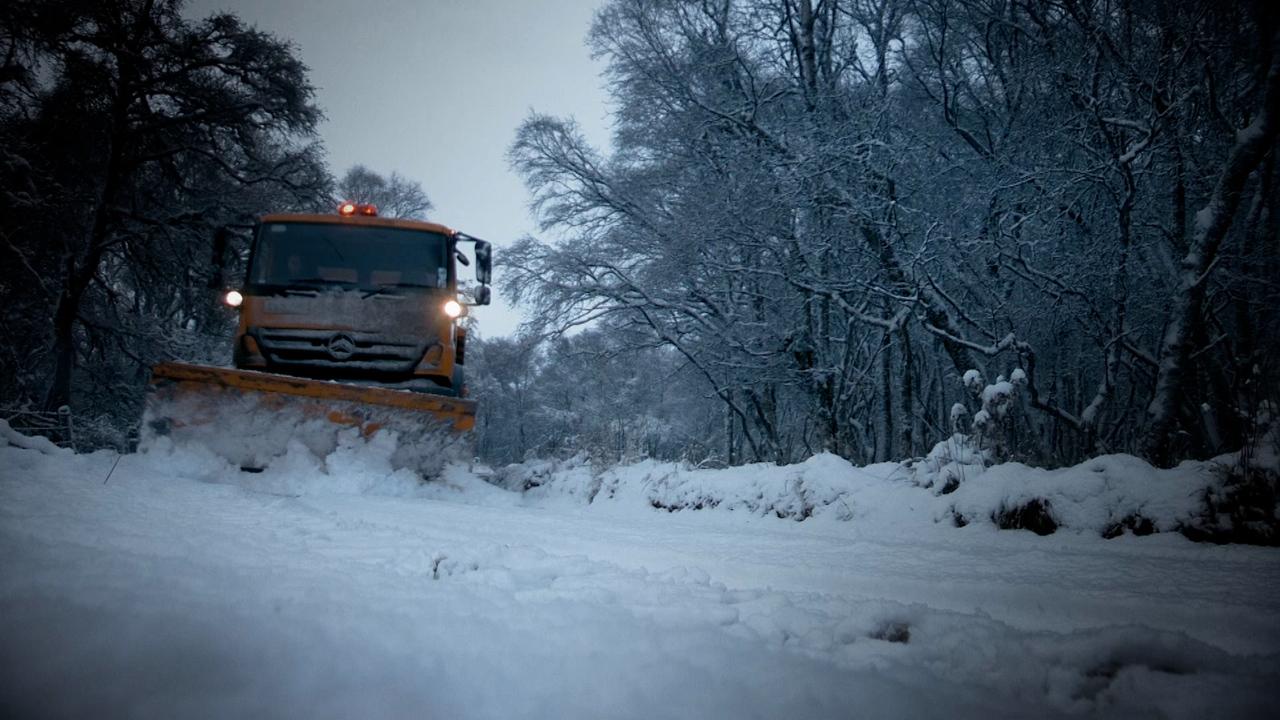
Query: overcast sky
{"points": [[434, 90]]}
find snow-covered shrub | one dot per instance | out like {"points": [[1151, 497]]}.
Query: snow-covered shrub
{"points": [[789, 492], [978, 439], [1245, 507], [996, 426], [1035, 515], [572, 476], [1108, 495], [973, 380], [960, 418], [950, 463]]}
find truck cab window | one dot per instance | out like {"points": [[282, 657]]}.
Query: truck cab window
{"points": [[349, 256]]}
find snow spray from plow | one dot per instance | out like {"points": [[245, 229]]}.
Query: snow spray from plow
{"points": [[249, 418]]}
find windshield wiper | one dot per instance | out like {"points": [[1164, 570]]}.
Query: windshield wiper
{"points": [[380, 290], [317, 284], [391, 288], [313, 281], [303, 285]]}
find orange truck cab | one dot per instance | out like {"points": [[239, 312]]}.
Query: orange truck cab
{"points": [[355, 298]]}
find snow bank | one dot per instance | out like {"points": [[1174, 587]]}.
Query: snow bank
{"points": [[1105, 495], [9, 436], [824, 485], [1109, 496]]}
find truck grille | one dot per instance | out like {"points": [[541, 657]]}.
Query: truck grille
{"points": [[340, 350]]}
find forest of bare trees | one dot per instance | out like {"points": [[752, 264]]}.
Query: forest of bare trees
{"points": [[820, 215]]}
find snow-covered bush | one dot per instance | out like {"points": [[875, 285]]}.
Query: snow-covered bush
{"points": [[978, 439], [950, 463], [571, 476], [1245, 507], [1108, 495], [997, 426]]}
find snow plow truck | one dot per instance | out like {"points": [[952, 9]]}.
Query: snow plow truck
{"points": [[348, 330]]}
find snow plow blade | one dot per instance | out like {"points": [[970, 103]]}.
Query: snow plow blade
{"points": [[251, 418]]}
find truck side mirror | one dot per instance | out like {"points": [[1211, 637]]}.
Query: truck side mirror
{"points": [[482, 295], [221, 241], [484, 264]]}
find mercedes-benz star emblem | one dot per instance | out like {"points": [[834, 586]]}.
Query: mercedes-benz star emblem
{"points": [[341, 347]]}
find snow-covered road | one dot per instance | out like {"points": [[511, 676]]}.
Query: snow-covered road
{"points": [[161, 594]]}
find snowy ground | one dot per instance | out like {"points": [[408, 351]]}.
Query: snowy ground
{"points": [[182, 588]]}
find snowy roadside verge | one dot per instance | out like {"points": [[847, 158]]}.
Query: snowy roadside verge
{"points": [[1109, 496]]}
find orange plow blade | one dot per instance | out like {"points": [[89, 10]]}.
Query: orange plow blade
{"points": [[251, 418]]}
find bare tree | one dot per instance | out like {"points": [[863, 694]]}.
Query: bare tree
{"points": [[395, 195]]}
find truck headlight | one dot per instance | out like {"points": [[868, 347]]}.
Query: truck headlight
{"points": [[453, 308], [233, 298]]}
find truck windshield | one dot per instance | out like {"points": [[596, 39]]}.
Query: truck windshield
{"points": [[357, 256]]}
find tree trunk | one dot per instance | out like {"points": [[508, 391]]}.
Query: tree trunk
{"points": [[730, 457], [76, 282], [884, 423], [907, 406], [1211, 225], [79, 275]]}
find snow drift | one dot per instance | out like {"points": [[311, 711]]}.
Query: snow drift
{"points": [[1109, 496]]}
